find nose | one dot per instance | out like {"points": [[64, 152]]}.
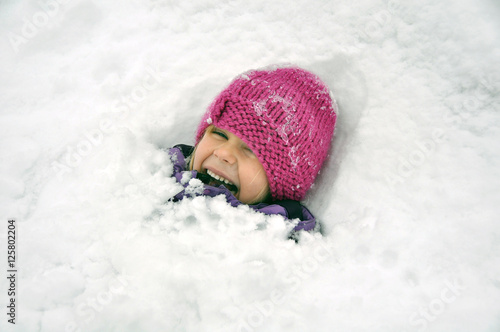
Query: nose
{"points": [[226, 154]]}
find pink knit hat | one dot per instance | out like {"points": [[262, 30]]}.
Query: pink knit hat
{"points": [[286, 115]]}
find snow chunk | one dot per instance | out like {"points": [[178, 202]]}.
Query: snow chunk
{"points": [[186, 177], [195, 187]]}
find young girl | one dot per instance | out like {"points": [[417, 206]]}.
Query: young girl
{"points": [[261, 142]]}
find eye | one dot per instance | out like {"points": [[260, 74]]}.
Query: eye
{"points": [[248, 151], [220, 133]]}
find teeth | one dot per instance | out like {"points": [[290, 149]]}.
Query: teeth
{"points": [[220, 178]]}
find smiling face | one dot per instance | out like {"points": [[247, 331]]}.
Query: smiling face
{"points": [[229, 161]]}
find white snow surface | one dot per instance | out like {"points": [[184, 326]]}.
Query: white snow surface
{"points": [[94, 92]]}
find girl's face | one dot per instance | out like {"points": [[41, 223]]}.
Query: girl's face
{"points": [[229, 161]]}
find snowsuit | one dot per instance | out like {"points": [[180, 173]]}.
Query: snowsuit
{"points": [[287, 208]]}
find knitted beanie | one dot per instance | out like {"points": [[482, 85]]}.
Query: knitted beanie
{"points": [[286, 115]]}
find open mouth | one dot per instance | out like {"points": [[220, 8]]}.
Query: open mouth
{"points": [[216, 180]]}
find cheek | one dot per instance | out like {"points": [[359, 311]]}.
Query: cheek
{"points": [[261, 181], [255, 184], [256, 177], [201, 153]]}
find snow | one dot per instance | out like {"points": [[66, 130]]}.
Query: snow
{"points": [[93, 93]]}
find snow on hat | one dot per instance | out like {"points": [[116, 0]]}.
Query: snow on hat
{"points": [[286, 115]]}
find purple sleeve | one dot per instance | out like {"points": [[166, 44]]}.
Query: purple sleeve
{"points": [[179, 164], [307, 223]]}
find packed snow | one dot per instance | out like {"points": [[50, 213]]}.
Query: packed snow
{"points": [[94, 92]]}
